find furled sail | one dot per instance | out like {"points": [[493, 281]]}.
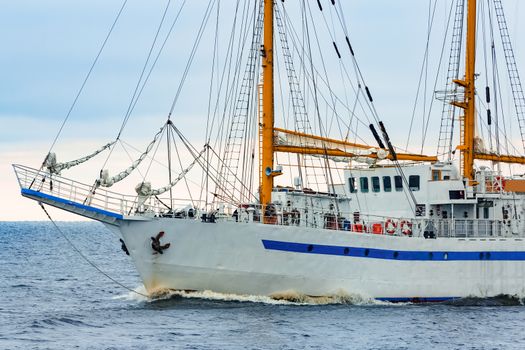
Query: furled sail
{"points": [[359, 153], [55, 168], [144, 190], [106, 181]]}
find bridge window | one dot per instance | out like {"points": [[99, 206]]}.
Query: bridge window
{"points": [[413, 182], [387, 184], [364, 184], [375, 184], [351, 183], [436, 175], [398, 182]]}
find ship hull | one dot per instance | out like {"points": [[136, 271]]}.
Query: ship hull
{"points": [[257, 259]]}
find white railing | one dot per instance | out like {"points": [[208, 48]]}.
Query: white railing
{"points": [[468, 228], [74, 191], [371, 224], [100, 198]]}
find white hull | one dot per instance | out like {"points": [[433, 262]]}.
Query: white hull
{"points": [[230, 257]]}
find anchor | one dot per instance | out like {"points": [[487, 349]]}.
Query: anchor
{"points": [[155, 244]]}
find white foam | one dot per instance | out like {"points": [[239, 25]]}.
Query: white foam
{"points": [[138, 294], [282, 298]]}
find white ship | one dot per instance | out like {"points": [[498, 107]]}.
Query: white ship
{"points": [[399, 226]]}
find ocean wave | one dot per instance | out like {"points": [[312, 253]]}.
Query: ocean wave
{"points": [[53, 322], [498, 300]]}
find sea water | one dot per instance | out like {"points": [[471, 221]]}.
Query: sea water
{"points": [[52, 298]]}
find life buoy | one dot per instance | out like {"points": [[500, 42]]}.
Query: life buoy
{"points": [[498, 184], [406, 227], [390, 226]]}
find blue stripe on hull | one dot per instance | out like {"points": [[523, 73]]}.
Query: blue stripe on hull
{"points": [[34, 193], [404, 255]]}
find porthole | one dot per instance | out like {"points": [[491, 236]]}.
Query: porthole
{"points": [[310, 248], [445, 256], [367, 251], [396, 254], [346, 251], [431, 255]]}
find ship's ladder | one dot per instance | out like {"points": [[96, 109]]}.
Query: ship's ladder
{"points": [[237, 147], [302, 122], [448, 113], [512, 69]]}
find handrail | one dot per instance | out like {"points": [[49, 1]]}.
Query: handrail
{"points": [[316, 217], [81, 193]]}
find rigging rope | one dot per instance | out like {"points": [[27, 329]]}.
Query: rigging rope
{"points": [[423, 70], [218, 181], [137, 95], [192, 55], [136, 91], [302, 56], [106, 181], [86, 259], [143, 186], [86, 78]]}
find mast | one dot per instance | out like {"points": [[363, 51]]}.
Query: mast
{"points": [[267, 123], [467, 148], [470, 92], [469, 102]]}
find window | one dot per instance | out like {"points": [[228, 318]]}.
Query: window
{"points": [[398, 182], [436, 175], [413, 182], [364, 184], [375, 184], [456, 194], [351, 183], [485, 213], [387, 184]]}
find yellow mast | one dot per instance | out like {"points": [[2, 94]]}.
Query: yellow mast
{"points": [[267, 151], [467, 148], [470, 92], [469, 102]]}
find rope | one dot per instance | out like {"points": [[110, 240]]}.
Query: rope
{"points": [[85, 257], [87, 76]]}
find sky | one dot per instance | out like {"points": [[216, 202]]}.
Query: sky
{"points": [[47, 48]]}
